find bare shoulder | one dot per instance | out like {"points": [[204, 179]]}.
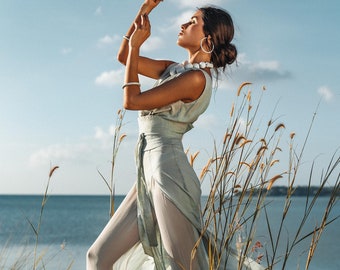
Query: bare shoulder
{"points": [[191, 83], [194, 78], [196, 75]]}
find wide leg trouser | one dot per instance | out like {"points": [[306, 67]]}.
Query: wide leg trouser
{"points": [[121, 234], [118, 236]]}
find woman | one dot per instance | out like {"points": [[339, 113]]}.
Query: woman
{"points": [[162, 211]]}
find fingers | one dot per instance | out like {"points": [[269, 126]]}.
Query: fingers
{"points": [[142, 21], [151, 4], [142, 31], [145, 22]]}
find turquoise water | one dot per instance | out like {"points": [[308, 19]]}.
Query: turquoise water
{"points": [[71, 223]]}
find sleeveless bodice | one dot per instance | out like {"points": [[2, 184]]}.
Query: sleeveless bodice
{"points": [[180, 111]]}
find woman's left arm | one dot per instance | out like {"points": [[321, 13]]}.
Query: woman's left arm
{"points": [[186, 87]]}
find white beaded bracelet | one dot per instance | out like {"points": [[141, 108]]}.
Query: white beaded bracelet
{"points": [[126, 37], [130, 83]]}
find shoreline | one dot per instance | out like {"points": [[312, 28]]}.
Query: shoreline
{"points": [[276, 191]]}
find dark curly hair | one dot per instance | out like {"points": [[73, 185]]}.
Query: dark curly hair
{"points": [[219, 25]]}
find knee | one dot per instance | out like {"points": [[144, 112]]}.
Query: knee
{"points": [[96, 261], [91, 259]]}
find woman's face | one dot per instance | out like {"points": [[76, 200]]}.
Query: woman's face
{"points": [[192, 32]]}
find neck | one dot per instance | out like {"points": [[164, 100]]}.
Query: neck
{"points": [[198, 57]]}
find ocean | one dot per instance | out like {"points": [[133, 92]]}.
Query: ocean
{"points": [[71, 223]]}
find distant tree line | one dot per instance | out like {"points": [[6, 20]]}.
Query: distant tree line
{"points": [[302, 191]]}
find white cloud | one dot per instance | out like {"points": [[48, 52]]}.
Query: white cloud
{"points": [[87, 147], [242, 58], [57, 153], [242, 124], [114, 78], [108, 40], [260, 71], [104, 137], [151, 44], [266, 65], [110, 78], [207, 122], [65, 51], [98, 11], [99, 133], [325, 93]]}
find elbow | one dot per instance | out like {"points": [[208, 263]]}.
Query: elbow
{"points": [[121, 58], [128, 104], [130, 107]]}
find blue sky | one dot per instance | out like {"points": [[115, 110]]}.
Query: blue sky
{"points": [[60, 84]]}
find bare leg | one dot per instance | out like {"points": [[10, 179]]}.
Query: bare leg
{"points": [[176, 231], [118, 236]]}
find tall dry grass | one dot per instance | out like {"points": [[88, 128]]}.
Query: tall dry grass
{"points": [[241, 174]]}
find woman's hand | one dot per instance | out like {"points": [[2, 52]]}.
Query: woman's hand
{"points": [[149, 5], [142, 20], [152, 3], [142, 31]]}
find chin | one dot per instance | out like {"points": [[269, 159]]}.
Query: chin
{"points": [[179, 43]]}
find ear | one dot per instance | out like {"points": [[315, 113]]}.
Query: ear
{"points": [[209, 40]]}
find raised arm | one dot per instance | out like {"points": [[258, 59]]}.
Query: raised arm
{"points": [[186, 87], [147, 67]]}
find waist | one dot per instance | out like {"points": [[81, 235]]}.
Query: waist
{"points": [[155, 131], [154, 125]]}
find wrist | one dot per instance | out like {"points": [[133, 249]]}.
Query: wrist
{"points": [[145, 9], [134, 49]]}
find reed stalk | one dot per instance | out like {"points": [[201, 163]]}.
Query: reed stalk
{"points": [[36, 229], [39, 258], [118, 137]]}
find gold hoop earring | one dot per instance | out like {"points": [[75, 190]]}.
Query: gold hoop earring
{"points": [[204, 50]]}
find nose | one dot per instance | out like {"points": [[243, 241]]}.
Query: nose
{"points": [[185, 25]]}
